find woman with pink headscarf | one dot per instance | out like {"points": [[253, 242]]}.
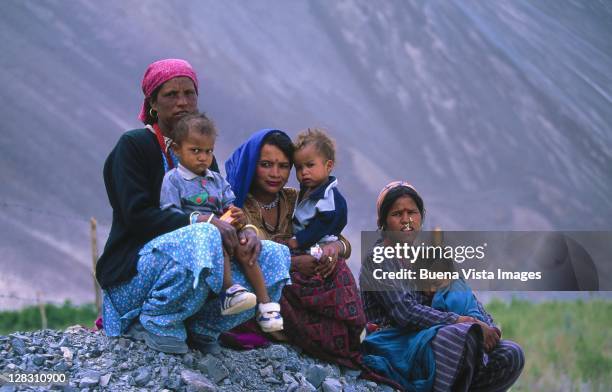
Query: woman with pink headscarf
{"points": [[159, 266]]}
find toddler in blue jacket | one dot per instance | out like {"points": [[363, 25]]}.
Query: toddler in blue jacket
{"points": [[321, 211]]}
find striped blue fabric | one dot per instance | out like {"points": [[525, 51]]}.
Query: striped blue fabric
{"points": [[461, 363], [403, 308]]}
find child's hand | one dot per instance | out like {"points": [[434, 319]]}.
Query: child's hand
{"points": [[238, 217], [292, 243]]}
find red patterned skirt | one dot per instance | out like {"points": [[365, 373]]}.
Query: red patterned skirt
{"points": [[325, 317]]}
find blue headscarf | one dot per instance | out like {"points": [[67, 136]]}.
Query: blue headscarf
{"points": [[240, 167]]}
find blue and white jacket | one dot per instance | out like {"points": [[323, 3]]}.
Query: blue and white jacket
{"points": [[321, 216]]}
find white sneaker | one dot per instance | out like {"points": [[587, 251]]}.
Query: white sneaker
{"points": [[269, 317], [236, 299]]}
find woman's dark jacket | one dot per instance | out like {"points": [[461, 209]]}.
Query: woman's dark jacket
{"points": [[133, 174]]}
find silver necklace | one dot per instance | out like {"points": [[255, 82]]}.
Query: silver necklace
{"points": [[270, 205]]}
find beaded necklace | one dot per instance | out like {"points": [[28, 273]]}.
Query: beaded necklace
{"points": [[269, 207], [168, 157]]}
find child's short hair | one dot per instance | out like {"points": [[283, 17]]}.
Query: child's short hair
{"points": [[323, 143], [198, 122]]}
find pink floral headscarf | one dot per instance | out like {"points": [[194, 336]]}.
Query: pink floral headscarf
{"points": [[158, 73]]}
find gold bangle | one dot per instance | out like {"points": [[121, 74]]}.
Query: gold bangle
{"points": [[343, 246], [252, 227], [210, 218]]}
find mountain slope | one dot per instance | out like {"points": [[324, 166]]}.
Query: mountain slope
{"points": [[498, 113]]}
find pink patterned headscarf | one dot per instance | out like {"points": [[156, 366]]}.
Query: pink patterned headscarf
{"points": [[158, 73], [386, 189]]}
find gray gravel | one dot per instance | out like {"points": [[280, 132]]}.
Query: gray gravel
{"points": [[94, 362]]}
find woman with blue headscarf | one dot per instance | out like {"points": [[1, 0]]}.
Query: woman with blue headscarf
{"points": [[322, 309]]}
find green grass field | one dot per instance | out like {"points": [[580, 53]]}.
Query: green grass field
{"points": [[58, 317], [568, 344]]}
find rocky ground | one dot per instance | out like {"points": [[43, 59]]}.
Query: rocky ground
{"points": [[95, 362]]}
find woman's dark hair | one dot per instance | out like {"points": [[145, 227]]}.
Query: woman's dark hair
{"points": [[282, 141], [149, 119], [395, 194]]}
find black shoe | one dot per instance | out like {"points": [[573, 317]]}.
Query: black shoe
{"points": [[136, 331], [166, 344], [203, 343]]}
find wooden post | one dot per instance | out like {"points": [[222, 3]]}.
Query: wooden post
{"points": [[94, 259], [41, 308], [438, 236]]}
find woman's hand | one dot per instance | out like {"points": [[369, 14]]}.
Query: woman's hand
{"points": [[249, 247], [329, 257], [228, 234], [304, 264], [499, 332], [491, 335], [326, 266], [243, 256], [330, 250]]}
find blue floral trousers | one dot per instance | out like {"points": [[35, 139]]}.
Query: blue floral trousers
{"points": [[176, 272]]}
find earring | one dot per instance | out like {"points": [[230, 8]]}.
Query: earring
{"points": [[152, 113]]}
